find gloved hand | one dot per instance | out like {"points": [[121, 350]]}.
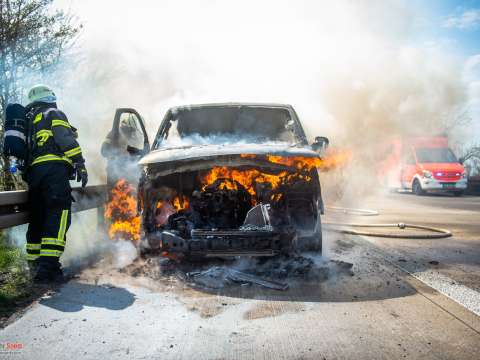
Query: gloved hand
{"points": [[82, 174]]}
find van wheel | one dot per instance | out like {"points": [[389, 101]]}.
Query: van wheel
{"points": [[417, 188], [457, 193], [312, 243]]}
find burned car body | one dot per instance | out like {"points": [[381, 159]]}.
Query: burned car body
{"points": [[229, 180]]}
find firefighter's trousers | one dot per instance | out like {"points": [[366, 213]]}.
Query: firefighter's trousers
{"points": [[50, 202]]}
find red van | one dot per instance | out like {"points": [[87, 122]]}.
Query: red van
{"points": [[423, 164]]}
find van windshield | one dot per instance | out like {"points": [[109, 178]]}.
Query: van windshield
{"points": [[436, 155], [230, 124]]}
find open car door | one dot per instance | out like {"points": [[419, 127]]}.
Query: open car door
{"points": [[124, 145]]}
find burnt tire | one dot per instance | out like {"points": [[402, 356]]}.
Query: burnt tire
{"points": [[310, 243], [417, 188]]}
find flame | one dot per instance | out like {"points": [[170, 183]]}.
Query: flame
{"points": [[121, 212], [165, 208], [276, 197], [335, 158], [298, 162], [249, 177], [181, 203], [248, 156], [125, 223], [332, 159]]}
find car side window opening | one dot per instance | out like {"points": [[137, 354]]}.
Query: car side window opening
{"points": [[130, 131]]}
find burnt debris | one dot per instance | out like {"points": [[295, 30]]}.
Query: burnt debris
{"points": [[217, 207], [276, 273]]}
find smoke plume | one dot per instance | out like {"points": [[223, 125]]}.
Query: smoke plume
{"points": [[349, 68]]}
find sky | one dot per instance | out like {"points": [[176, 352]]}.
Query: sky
{"points": [[452, 23]]}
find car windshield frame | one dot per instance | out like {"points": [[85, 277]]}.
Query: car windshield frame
{"points": [[170, 122], [435, 155]]}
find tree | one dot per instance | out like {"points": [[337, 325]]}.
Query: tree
{"points": [[458, 117], [33, 39], [471, 159]]}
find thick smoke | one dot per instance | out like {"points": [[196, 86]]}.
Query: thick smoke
{"points": [[412, 92], [349, 68]]}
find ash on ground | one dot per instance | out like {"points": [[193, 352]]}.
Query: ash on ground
{"points": [[276, 273]]}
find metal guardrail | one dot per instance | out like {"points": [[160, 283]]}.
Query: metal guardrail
{"points": [[13, 204]]}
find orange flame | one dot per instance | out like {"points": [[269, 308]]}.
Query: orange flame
{"points": [[125, 223], [121, 211], [181, 203], [165, 208], [249, 177], [331, 160]]}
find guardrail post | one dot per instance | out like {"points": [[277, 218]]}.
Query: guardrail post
{"points": [[101, 218]]}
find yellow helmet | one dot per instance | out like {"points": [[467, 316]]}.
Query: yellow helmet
{"points": [[41, 93]]}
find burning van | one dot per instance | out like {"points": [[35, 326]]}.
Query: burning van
{"points": [[219, 180]]}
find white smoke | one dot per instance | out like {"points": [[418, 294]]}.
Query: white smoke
{"points": [[123, 253], [346, 67]]}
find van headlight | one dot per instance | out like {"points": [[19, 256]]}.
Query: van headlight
{"points": [[427, 174]]}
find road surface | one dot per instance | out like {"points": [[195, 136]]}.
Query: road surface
{"points": [[393, 303]]}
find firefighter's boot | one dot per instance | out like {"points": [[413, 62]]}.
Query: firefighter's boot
{"points": [[49, 271]]}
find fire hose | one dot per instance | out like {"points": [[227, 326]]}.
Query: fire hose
{"points": [[351, 211], [435, 233]]}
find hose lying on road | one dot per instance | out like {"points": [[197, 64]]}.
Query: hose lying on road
{"points": [[438, 233], [435, 233], [351, 211]]}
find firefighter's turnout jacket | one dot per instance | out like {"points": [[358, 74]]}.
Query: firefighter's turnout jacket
{"points": [[53, 138], [53, 152]]}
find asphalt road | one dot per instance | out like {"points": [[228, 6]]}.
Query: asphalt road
{"points": [[458, 256], [392, 304]]}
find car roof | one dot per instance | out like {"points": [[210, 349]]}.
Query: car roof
{"points": [[229, 104]]}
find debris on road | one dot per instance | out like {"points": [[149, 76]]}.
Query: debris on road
{"points": [[239, 276], [217, 277], [278, 273]]}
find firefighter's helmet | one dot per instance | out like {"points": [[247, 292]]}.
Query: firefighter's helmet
{"points": [[128, 122], [41, 93], [128, 126]]}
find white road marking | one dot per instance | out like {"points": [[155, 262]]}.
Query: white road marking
{"points": [[468, 298], [462, 294]]}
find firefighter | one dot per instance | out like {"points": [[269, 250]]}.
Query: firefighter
{"points": [[117, 152], [54, 157]]}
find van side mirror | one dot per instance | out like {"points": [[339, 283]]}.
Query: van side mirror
{"points": [[461, 160], [320, 144], [134, 151]]}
